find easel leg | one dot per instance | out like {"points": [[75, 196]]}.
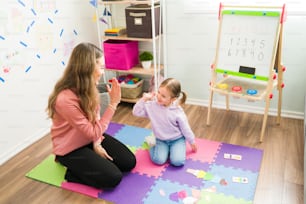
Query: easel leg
{"points": [[264, 123], [209, 107], [279, 105], [227, 102]]}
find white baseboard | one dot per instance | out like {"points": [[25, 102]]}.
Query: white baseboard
{"points": [[246, 108], [23, 144]]}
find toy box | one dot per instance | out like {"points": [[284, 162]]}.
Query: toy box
{"points": [[139, 20], [120, 54]]}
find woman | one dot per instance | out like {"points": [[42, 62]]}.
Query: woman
{"points": [[79, 142]]}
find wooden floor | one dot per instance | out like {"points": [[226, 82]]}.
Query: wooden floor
{"points": [[280, 180]]}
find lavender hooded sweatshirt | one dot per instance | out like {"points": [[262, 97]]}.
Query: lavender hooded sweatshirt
{"points": [[168, 123]]}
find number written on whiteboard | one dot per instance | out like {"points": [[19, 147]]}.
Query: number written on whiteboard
{"points": [[246, 48]]}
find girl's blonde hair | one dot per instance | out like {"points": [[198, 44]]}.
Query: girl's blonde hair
{"points": [[78, 77], [174, 87]]}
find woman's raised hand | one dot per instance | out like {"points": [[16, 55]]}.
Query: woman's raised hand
{"points": [[114, 92]]}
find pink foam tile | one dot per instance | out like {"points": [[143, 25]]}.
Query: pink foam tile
{"points": [[207, 150], [80, 188], [144, 164]]}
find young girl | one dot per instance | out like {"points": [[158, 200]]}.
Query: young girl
{"points": [[169, 123], [78, 139]]}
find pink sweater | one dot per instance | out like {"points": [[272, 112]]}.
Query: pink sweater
{"points": [[70, 126]]}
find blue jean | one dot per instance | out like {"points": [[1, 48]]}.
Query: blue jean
{"points": [[174, 150]]}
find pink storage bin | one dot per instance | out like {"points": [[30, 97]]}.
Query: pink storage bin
{"points": [[120, 54]]}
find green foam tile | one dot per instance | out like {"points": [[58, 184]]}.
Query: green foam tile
{"points": [[214, 197], [48, 171]]}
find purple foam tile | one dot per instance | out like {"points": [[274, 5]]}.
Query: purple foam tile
{"points": [[180, 174], [132, 189], [113, 128], [250, 157]]}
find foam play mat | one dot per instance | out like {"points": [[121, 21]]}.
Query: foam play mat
{"points": [[216, 173]]}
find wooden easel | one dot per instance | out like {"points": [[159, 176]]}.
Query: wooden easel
{"points": [[240, 84]]}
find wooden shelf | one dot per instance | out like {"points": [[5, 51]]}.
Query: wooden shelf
{"points": [[130, 100], [127, 2], [125, 37], [137, 70]]}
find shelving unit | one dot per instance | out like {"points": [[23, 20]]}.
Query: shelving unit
{"points": [[156, 67]]}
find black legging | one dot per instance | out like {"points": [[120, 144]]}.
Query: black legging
{"points": [[87, 167]]}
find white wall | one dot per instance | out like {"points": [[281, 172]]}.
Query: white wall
{"points": [[191, 43], [50, 29]]}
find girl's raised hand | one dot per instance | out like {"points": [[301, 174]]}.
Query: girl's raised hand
{"points": [[148, 96]]}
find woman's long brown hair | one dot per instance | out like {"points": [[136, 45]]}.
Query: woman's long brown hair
{"points": [[78, 77]]}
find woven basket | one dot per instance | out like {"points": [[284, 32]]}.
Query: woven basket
{"points": [[131, 90]]}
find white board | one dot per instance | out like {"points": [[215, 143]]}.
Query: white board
{"points": [[247, 43]]}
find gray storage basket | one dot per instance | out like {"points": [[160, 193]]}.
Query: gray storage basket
{"points": [[104, 97]]}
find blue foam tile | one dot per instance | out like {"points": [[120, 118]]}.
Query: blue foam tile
{"points": [[165, 191], [238, 190], [132, 136]]}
